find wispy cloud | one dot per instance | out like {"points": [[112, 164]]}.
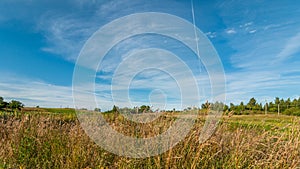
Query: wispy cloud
{"points": [[262, 40], [66, 32], [33, 93], [211, 34], [291, 47], [231, 31], [264, 46], [155, 69], [263, 85], [252, 31], [66, 35], [246, 26]]}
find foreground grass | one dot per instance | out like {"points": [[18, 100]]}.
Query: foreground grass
{"points": [[46, 140]]}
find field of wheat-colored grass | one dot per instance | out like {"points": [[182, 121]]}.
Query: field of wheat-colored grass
{"points": [[49, 140]]}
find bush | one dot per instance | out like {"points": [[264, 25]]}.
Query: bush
{"points": [[296, 113], [292, 111]]}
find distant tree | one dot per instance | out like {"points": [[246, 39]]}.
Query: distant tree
{"points": [[205, 105], [251, 104], [97, 109], [282, 105], [3, 104], [232, 107], [144, 108], [226, 108], [277, 101], [14, 104], [260, 107], [272, 107], [295, 103], [115, 109], [288, 103], [217, 106], [242, 106]]}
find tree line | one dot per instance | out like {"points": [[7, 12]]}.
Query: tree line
{"points": [[134, 110], [12, 105], [282, 106]]}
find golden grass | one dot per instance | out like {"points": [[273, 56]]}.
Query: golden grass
{"points": [[58, 141]]}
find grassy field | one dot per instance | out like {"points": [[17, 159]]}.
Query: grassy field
{"points": [[51, 138]]}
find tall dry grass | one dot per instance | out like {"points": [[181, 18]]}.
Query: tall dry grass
{"points": [[58, 141]]}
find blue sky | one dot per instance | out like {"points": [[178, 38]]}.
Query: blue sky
{"points": [[258, 43]]}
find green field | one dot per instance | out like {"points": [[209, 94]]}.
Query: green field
{"points": [[53, 138]]}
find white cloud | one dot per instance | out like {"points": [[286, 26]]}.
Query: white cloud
{"points": [[262, 65], [33, 93], [291, 47], [211, 34], [263, 85], [66, 35], [272, 26], [252, 31], [231, 31], [248, 24]]}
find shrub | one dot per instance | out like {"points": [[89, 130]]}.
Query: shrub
{"points": [[292, 111]]}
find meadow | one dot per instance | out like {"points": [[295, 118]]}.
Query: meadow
{"points": [[53, 138]]}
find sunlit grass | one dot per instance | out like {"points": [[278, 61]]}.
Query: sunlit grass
{"points": [[52, 140]]}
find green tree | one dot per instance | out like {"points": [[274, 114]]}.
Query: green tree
{"points": [[144, 108], [14, 104], [226, 108], [272, 107], [251, 104], [218, 106], [232, 107], [242, 106], [3, 104], [205, 105], [288, 103], [282, 105], [277, 101], [115, 109], [260, 107], [294, 103]]}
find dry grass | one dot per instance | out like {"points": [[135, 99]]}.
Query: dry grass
{"points": [[57, 141]]}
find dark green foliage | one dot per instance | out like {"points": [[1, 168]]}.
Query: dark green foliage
{"points": [[205, 105], [226, 108], [292, 111], [13, 105], [287, 107], [251, 104], [144, 108], [3, 104], [115, 109]]}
